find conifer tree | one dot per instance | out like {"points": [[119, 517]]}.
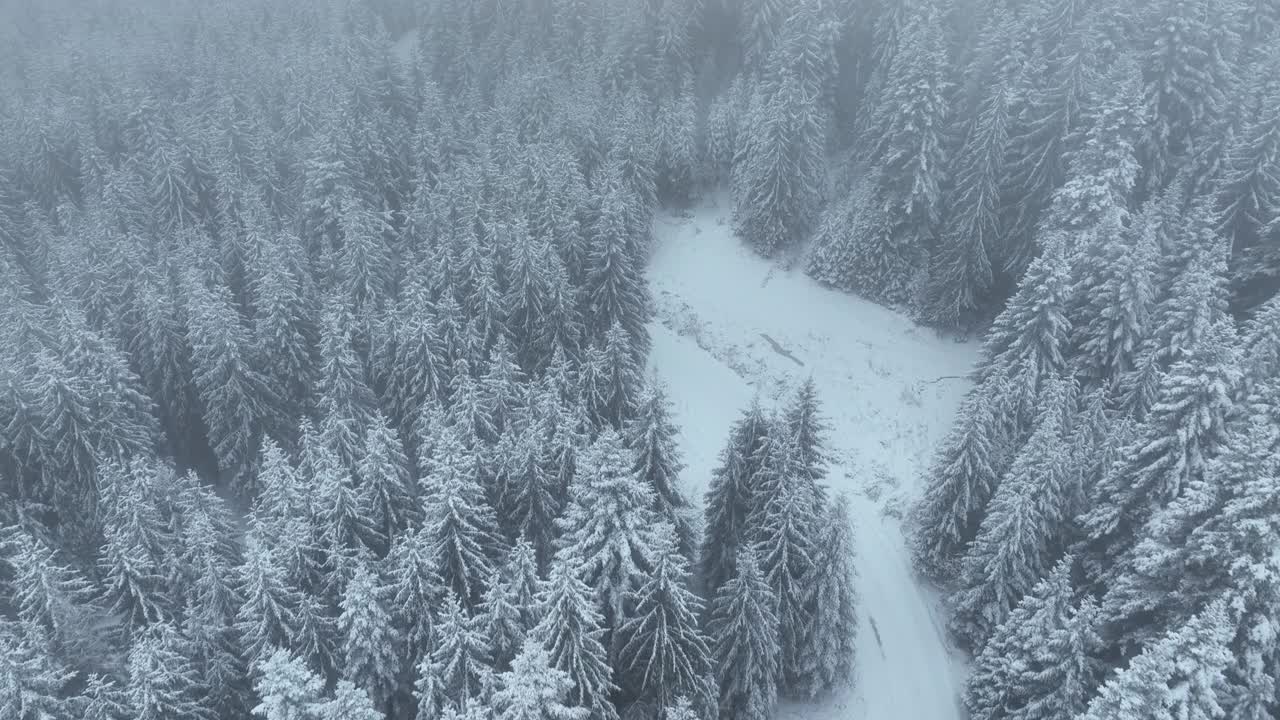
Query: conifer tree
{"points": [[163, 683], [650, 435], [744, 633], [609, 533], [827, 650], [732, 496], [346, 403], [369, 657], [1183, 429], [963, 479], [417, 589], [614, 283], [460, 522], [1025, 526], [662, 648], [778, 180], [534, 689], [266, 619], [32, 685], [1040, 662], [288, 690], [500, 617], [238, 400], [349, 703], [571, 629], [1179, 676], [386, 493], [451, 674]]}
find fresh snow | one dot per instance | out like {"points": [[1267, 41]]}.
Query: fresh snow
{"points": [[731, 326]]}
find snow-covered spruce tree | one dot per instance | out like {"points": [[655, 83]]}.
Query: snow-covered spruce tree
{"points": [[650, 435], [1025, 525], [52, 597], [1029, 341], [964, 476], [1187, 60], [369, 653], [618, 382], [349, 702], [500, 617], [678, 152], [450, 675], [826, 657], [534, 689], [1181, 675], [663, 653], [614, 286], [346, 403], [32, 683], [783, 528], [1211, 539], [285, 335], [416, 590], [778, 175], [1260, 345], [1115, 304], [1248, 192], [962, 276], [571, 629], [266, 619], [460, 522], [906, 151], [286, 687], [133, 558], [410, 359], [532, 497], [609, 532], [1184, 429], [237, 399], [1040, 663], [744, 636], [344, 525], [731, 496], [163, 683], [386, 493]]}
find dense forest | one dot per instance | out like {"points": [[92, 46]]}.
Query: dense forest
{"points": [[324, 390]]}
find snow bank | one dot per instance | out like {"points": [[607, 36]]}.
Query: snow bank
{"points": [[731, 325]]}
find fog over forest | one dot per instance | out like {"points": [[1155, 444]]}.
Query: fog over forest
{"points": [[639, 359]]}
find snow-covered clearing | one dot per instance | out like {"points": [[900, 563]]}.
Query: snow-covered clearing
{"points": [[730, 326]]}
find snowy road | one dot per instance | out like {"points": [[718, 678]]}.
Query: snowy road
{"points": [[731, 326]]}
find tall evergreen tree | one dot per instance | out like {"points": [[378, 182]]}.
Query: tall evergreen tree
{"points": [[732, 496], [369, 654], [650, 435], [744, 633]]}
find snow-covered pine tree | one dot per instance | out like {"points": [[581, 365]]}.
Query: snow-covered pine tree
{"points": [[1041, 661], [744, 634], [732, 496], [662, 650], [618, 381], [1211, 539], [286, 688], [678, 152], [266, 619], [345, 401], [962, 276], [1179, 676], [614, 286], [450, 675], [965, 474], [417, 589], [460, 522], [369, 649], [650, 435], [163, 683], [1026, 523], [778, 173], [1184, 429], [500, 617], [783, 528], [32, 683], [238, 401], [609, 532], [532, 497], [572, 629], [535, 689], [285, 335], [51, 596], [349, 702], [386, 493], [827, 650]]}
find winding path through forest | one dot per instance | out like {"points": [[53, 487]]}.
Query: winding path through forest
{"points": [[722, 336]]}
